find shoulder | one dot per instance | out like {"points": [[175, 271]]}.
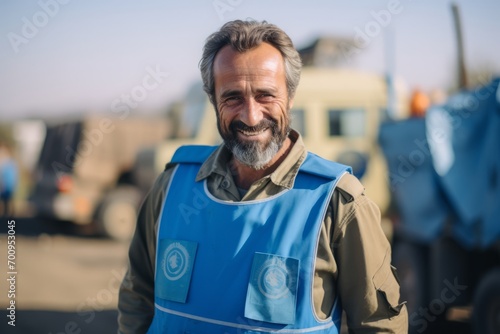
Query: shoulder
{"points": [[164, 178], [316, 165], [349, 188], [157, 192], [351, 207]]}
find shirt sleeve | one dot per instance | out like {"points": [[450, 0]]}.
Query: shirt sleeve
{"points": [[136, 296], [366, 281]]}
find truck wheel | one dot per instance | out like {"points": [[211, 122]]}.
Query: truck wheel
{"points": [[486, 307], [117, 214]]}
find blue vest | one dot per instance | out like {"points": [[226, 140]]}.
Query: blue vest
{"points": [[241, 267]]}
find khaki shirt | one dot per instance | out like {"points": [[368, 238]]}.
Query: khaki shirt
{"points": [[353, 258]]}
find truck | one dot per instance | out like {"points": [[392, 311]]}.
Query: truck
{"points": [[84, 172], [443, 173]]}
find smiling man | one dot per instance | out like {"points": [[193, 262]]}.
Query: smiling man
{"points": [[257, 235], [253, 106]]}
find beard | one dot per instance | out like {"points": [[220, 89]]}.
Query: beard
{"points": [[254, 154]]}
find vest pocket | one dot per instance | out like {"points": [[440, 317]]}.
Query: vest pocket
{"points": [[174, 268], [272, 289]]}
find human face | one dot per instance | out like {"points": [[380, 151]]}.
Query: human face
{"points": [[252, 103]]}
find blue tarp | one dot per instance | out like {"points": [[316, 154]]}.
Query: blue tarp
{"points": [[464, 137], [412, 179], [446, 168]]}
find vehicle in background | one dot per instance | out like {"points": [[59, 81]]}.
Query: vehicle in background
{"points": [[444, 172], [192, 121], [83, 174], [337, 111]]}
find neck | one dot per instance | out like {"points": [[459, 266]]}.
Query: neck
{"points": [[244, 175]]}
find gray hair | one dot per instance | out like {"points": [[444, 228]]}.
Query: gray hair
{"points": [[243, 36]]}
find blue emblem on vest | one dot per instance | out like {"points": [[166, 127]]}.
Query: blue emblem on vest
{"points": [[272, 291], [241, 267], [173, 274]]}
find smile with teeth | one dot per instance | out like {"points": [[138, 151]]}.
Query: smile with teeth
{"points": [[252, 133]]}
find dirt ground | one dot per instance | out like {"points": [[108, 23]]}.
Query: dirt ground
{"points": [[68, 273], [67, 283]]}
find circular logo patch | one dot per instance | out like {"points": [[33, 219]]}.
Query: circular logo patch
{"points": [[175, 261], [273, 279]]}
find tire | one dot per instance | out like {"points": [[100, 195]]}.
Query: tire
{"points": [[117, 215], [486, 305]]}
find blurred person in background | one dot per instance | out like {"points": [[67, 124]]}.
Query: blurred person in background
{"points": [[257, 235], [8, 179], [419, 103]]}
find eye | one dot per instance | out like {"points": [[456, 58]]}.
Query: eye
{"points": [[232, 100], [265, 96]]}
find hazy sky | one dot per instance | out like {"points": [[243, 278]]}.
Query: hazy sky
{"points": [[59, 56]]}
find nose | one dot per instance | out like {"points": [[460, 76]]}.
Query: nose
{"points": [[251, 113]]}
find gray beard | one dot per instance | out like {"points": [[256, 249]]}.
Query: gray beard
{"points": [[252, 154]]}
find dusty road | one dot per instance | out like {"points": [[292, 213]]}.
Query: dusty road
{"points": [[64, 283]]}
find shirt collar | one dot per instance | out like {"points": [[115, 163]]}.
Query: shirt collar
{"points": [[283, 176]]}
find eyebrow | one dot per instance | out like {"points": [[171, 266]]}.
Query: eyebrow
{"points": [[231, 92], [269, 90], [237, 92]]}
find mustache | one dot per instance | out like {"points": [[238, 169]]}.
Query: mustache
{"points": [[264, 124]]}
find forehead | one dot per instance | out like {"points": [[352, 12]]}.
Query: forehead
{"points": [[262, 59]]}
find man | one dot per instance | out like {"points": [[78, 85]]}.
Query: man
{"points": [[257, 235]]}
